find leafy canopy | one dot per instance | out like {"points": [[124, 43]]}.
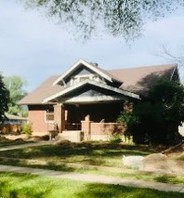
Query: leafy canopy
{"points": [[15, 86], [4, 99], [124, 18]]}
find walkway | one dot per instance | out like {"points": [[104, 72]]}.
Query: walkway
{"points": [[95, 178]]}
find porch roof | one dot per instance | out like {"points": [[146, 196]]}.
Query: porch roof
{"points": [[68, 90]]}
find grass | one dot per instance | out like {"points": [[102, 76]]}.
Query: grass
{"points": [[94, 158], [6, 142], [85, 153], [26, 186]]}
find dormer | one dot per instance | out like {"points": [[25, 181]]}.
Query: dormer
{"points": [[83, 70]]}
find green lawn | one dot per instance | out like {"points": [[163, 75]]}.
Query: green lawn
{"points": [[5, 142], [94, 158], [73, 156], [27, 186]]}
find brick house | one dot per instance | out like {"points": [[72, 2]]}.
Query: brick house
{"points": [[89, 99]]}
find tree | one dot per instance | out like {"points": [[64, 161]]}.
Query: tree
{"points": [[119, 17], [4, 99], [156, 120], [176, 57], [15, 86]]}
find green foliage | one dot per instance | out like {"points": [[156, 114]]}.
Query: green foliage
{"points": [[115, 138], [27, 128], [4, 99], [15, 86], [118, 17], [156, 119]]}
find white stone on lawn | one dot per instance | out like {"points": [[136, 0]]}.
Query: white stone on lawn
{"points": [[135, 162]]}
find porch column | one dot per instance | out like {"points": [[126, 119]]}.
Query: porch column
{"points": [[86, 127], [59, 116]]}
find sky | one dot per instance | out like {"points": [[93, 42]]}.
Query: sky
{"points": [[35, 47]]}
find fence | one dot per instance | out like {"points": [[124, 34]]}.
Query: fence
{"points": [[10, 128]]}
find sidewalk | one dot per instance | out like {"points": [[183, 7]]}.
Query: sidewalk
{"points": [[95, 178]]}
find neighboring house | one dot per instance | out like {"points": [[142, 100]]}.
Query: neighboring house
{"points": [[89, 99], [12, 124]]}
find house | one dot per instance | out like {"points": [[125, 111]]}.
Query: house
{"points": [[12, 124], [89, 99]]}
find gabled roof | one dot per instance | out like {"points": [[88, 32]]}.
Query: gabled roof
{"points": [[135, 80], [43, 91], [139, 79], [90, 66], [90, 82]]}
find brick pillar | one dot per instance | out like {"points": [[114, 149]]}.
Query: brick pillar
{"points": [[59, 116], [86, 127]]}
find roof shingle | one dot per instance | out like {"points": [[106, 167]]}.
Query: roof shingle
{"points": [[136, 80]]}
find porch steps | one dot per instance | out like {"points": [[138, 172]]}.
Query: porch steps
{"points": [[71, 135]]}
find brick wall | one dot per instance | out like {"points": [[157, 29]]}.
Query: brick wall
{"points": [[105, 128], [100, 129], [37, 120]]}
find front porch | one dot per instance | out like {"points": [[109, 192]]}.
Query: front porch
{"points": [[95, 121], [92, 131]]}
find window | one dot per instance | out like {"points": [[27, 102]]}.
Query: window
{"points": [[49, 114], [80, 78]]}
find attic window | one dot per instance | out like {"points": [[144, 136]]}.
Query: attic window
{"points": [[80, 78]]}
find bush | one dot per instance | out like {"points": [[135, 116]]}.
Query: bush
{"points": [[115, 138], [155, 119], [27, 129]]}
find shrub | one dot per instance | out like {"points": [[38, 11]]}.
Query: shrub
{"points": [[115, 138], [27, 128]]}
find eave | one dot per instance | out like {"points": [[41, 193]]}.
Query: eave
{"points": [[90, 82]]}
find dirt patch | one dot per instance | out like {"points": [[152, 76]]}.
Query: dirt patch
{"points": [[162, 163], [177, 149], [16, 137]]}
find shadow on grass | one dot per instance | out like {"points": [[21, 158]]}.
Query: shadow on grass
{"points": [[6, 142], [89, 149], [117, 191], [86, 153], [169, 179]]}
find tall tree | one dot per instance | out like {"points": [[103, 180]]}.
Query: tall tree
{"points": [[4, 99], [175, 57], [119, 17], [15, 86], [156, 119]]}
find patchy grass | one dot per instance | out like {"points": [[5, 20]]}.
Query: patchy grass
{"points": [[95, 158], [24, 185], [6, 142], [98, 154]]}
